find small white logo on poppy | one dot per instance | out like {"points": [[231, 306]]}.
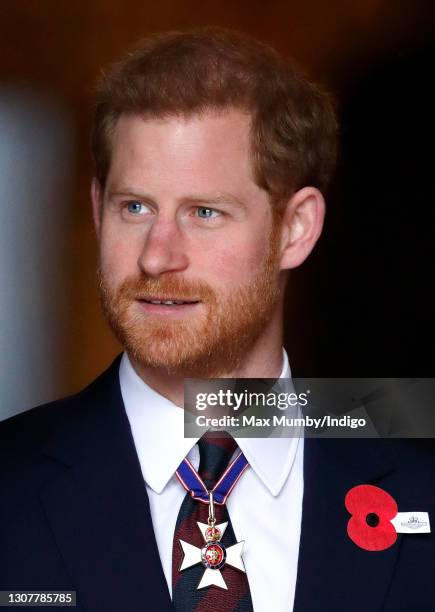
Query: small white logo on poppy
{"points": [[414, 523]]}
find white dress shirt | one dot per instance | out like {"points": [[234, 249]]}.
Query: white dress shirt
{"points": [[265, 506]]}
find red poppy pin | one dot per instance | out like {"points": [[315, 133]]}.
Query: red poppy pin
{"points": [[370, 525]]}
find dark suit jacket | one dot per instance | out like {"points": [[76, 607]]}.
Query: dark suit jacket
{"points": [[74, 514]]}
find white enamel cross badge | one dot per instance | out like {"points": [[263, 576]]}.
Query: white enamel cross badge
{"points": [[213, 555]]}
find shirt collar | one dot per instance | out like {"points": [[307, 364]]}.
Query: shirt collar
{"points": [[157, 426]]}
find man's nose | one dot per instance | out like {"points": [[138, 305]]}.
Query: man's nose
{"points": [[164, 249]]}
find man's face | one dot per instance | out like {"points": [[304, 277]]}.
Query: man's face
{"points": [[183, 221]]}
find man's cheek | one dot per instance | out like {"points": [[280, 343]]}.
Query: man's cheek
{"points": [[116, 266], [233, 262], [119, 253], [247, 267]]}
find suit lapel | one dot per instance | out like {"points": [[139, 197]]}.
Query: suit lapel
{"points": [[98, 509], [334, 573]]}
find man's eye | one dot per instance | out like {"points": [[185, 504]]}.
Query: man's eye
{"points": [[207, 213], [136, 208]]}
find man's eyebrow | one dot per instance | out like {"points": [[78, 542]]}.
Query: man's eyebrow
{"points": [[217, 198], [129, 193]]}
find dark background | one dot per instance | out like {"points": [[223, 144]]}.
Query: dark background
{"points": [[362, 305], [371, 305]]}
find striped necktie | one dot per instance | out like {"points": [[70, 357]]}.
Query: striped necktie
{"points": [[216, 450]]}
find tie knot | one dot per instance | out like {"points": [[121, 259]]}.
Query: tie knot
{"points": [[215, 451]]}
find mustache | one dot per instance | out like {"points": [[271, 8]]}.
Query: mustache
{"points": [[169, 287]]}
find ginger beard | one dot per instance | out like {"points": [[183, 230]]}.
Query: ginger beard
{"points": [[206, 344]]}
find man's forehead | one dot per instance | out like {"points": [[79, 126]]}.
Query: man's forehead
{"points": [[210, 121], [211, 146]]}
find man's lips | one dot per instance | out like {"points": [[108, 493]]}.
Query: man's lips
{"points": [[166, 301], [167, 307]]}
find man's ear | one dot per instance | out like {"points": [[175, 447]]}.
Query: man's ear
{"points": [[302, 224], [97, 204]]}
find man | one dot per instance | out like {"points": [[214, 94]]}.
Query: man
{"points": [[211, 156]]}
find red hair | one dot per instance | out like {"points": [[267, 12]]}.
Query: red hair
{"points": [[293, 129]]}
